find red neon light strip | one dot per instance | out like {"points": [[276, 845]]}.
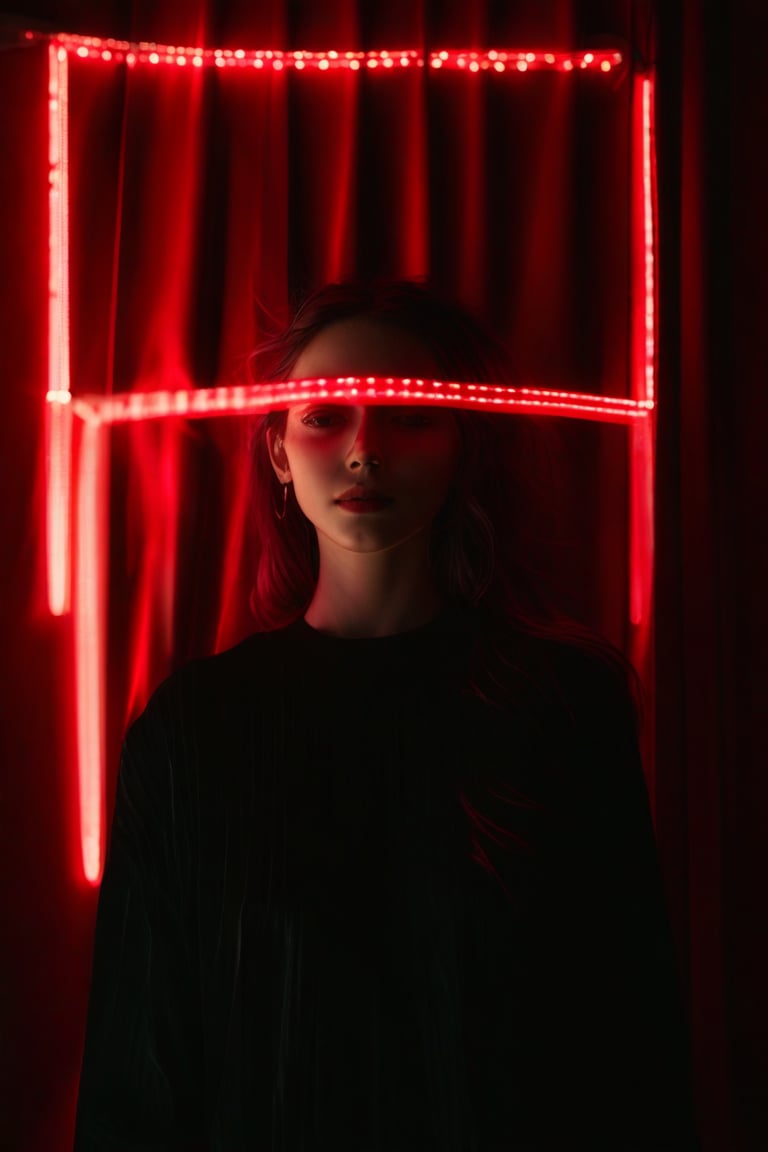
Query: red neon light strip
{"points": [[641, 447], [59, 416], [649, 198], [90, 640], [275, 60], [126, 407], [58, 435]]}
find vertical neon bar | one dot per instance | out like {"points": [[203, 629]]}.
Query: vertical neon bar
{"points": [[643, 385], [90, 640], [58, 410]]}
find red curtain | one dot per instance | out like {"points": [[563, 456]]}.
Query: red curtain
{"points": [[202, 204]]}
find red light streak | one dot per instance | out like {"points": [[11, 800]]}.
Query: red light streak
{"points": [[59, 487], [90, 642], [121, 408], [648, 239], [492, 59], [59, 415], [642, 383]]}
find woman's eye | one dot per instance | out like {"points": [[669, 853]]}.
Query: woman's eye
{"points": [[319, 419]]}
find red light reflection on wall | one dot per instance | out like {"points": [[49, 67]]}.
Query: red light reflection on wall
{"points": [[98, 412]]}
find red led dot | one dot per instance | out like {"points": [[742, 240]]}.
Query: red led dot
{"points": [[522, 66], [106, 54], [436, 62], [154, 58], [589, 57], [531, 57], [568, 65], [219, 62], [240, 54], [197, 61], [82, 52], [299, 64], [500, 67], [606, 66], [323, 65], [372, 63], [354, 65], [549, 58], [389, 62], [181, 60], [461, 62]]}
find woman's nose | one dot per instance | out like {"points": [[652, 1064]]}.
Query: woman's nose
{"points": [[367, 444]]}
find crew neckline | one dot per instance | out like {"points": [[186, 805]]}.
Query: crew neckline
{"points": [[442, 622]]}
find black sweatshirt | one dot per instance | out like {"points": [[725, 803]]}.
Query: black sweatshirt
{"points": [[352, 904]]}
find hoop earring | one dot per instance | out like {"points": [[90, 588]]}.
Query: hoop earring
{"points": [[285, 503]]}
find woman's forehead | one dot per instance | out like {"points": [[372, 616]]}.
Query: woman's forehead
{"points": [[361, 346]]}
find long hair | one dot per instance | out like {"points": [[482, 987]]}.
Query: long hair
{"points": [[479, 559]]}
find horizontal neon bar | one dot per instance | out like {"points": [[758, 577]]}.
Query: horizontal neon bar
{"points": [[202, 402], [489, 60]]}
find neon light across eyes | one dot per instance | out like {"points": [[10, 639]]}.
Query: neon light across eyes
{"points": [[386, 390]]}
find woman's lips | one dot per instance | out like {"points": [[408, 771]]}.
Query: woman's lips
{"points": [[374, 504]]}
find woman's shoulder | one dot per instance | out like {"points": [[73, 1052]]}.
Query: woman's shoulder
{"points": [[222, 683]]}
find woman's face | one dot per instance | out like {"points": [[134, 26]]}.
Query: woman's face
{"points": [[329, 448]]}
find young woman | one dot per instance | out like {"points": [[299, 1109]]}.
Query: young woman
{"points": [[383, 876]]}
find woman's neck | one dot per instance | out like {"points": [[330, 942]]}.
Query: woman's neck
{"points": [[374, 594]]}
